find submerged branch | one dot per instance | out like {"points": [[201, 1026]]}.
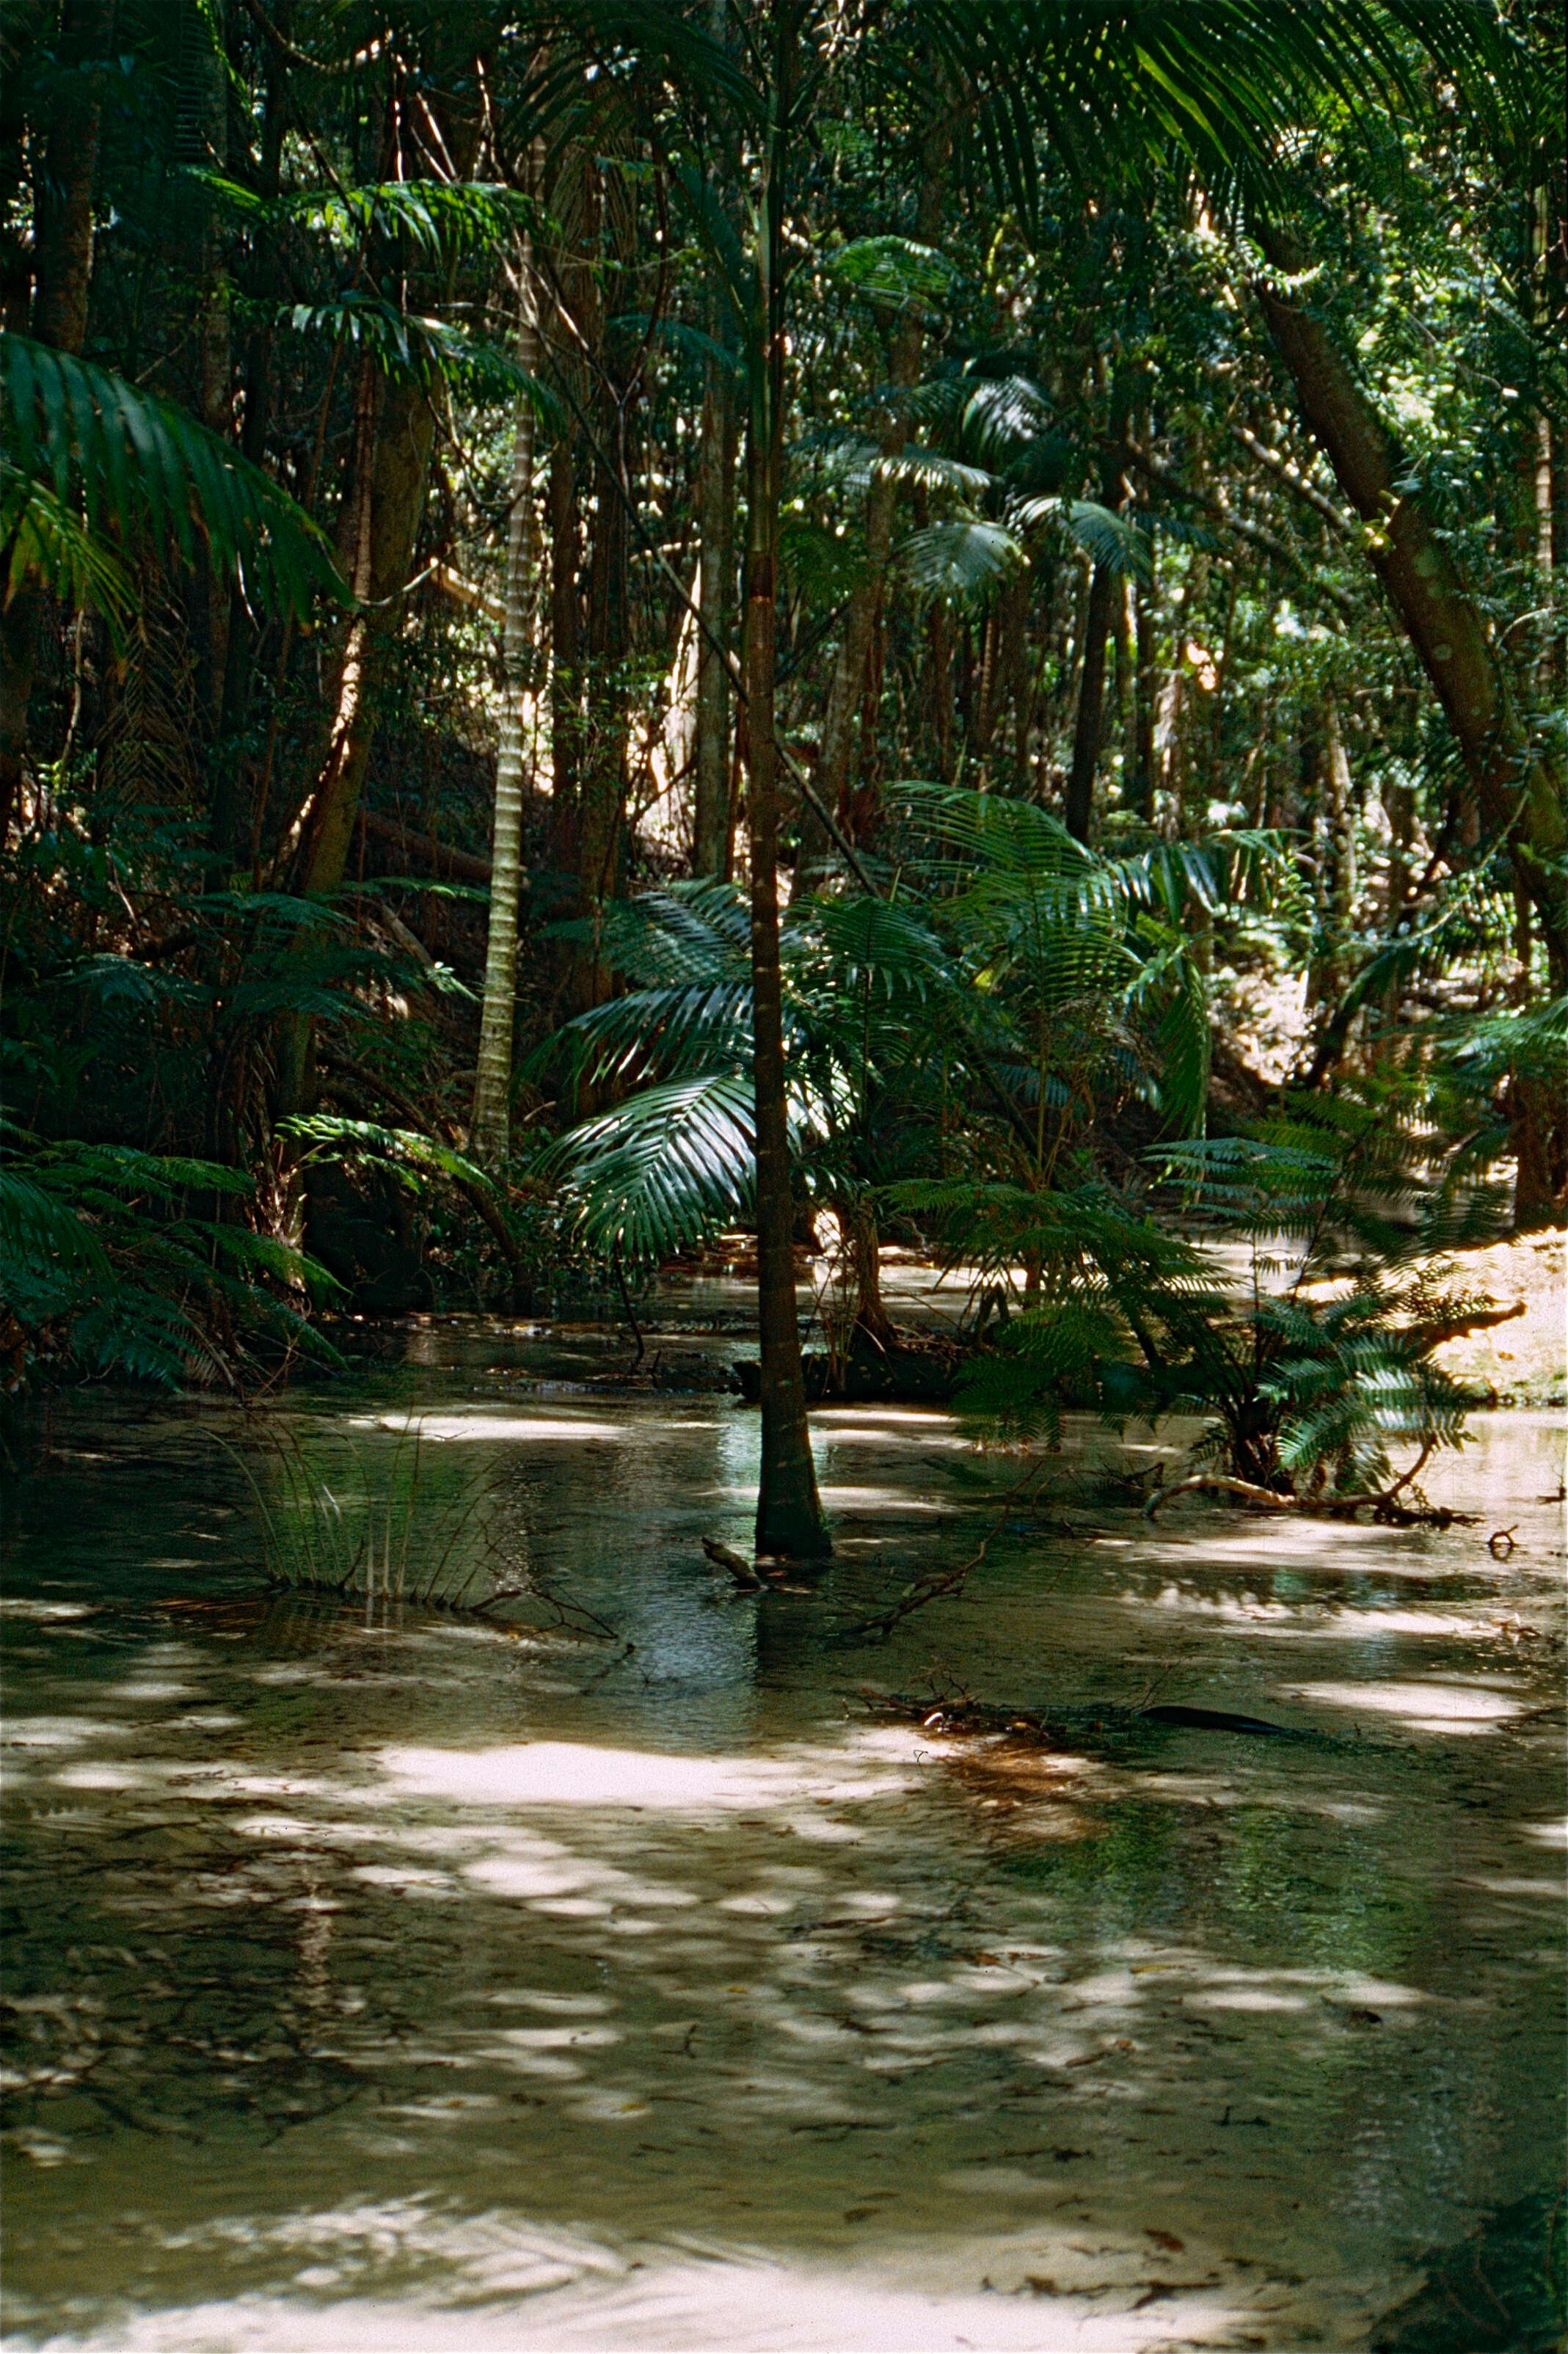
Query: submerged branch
{"points": [[947, 1582]]}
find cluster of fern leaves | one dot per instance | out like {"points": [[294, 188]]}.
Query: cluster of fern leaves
{"points": [[1274, 1285], [106, 1263]]}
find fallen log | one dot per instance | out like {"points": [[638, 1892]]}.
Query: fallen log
{"points": [[1075, 1727], [462, 866]]}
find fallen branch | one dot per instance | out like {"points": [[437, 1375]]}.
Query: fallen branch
{"points": [[435, 856], [724, 1557], [947, 1582], [1383, 1505], [1483, 1319], [1229, 1487]]}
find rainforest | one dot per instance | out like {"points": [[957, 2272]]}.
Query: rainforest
{"points": [[783, 1166]]}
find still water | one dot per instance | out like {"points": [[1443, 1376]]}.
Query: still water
{"points": [[389, 1980]]}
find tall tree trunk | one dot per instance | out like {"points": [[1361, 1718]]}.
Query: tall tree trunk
{"points": [[234, 788], [63, 177], [566, 655], [939, 677], [1518, 792], [790, 1522], [18, 641], [1145, 698], [1538, 1127], [834, 768], [393, 446], [1327, 779], [591, 612], [491, 1133], [602, 786], [1105, 592], [1172, 723], [62, 260], [203, 145], [24, 29], [393, 432], [1080, 800], [716, 531]]}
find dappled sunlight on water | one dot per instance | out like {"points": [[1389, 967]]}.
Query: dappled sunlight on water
{"points": [[389, 1980]]}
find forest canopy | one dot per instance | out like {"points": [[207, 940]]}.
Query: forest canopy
{"points": [[938, 623]]}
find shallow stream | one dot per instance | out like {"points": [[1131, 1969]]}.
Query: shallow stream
{"points": [[390, 1980]]}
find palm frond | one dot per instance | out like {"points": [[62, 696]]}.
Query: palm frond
{"points": [[672, 1163], [139, 471], [964, 561], [45, 541]]}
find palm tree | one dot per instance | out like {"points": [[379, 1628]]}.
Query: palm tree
{"points": [[1213, 81], [519, 682], [1036, 978]]}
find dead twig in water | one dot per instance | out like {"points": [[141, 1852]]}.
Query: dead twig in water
{"points": [[947, 1582]]}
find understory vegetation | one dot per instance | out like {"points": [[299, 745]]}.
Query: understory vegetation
{"points": [[938, 627]]}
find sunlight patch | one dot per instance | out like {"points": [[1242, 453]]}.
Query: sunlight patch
{"points": [[574, 1773], [1427, 1707], [494, 1425]]}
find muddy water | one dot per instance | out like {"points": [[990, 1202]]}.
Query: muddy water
{"points": [[385, 1980]]}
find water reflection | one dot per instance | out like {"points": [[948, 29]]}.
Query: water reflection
{"points": [[444, 1983]]}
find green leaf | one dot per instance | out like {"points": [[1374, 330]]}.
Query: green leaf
{"points": [[136, 470]]}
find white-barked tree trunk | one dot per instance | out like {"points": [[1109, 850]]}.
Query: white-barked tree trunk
{"points": [[490, 1135]]}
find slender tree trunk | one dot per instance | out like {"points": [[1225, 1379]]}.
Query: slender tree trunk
{"points": [[393, 432], [401, 431], [62, 260], [491, 1132], [1328, 780], [1080, 802], [1105, 592], [19, 641], [63, 177], [790, 1522], [940, 675], [1543, 485], [234, 786], [862, 1241], [1172, 725], [1518, 792], [591, 612], [1538, 1127], [834, 768], [26, 21], [203, 145], [1145, 698], [711, 818], [566, 656], [603, 781]]}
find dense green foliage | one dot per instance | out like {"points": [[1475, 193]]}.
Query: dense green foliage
{"points": [[372, 385]]}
